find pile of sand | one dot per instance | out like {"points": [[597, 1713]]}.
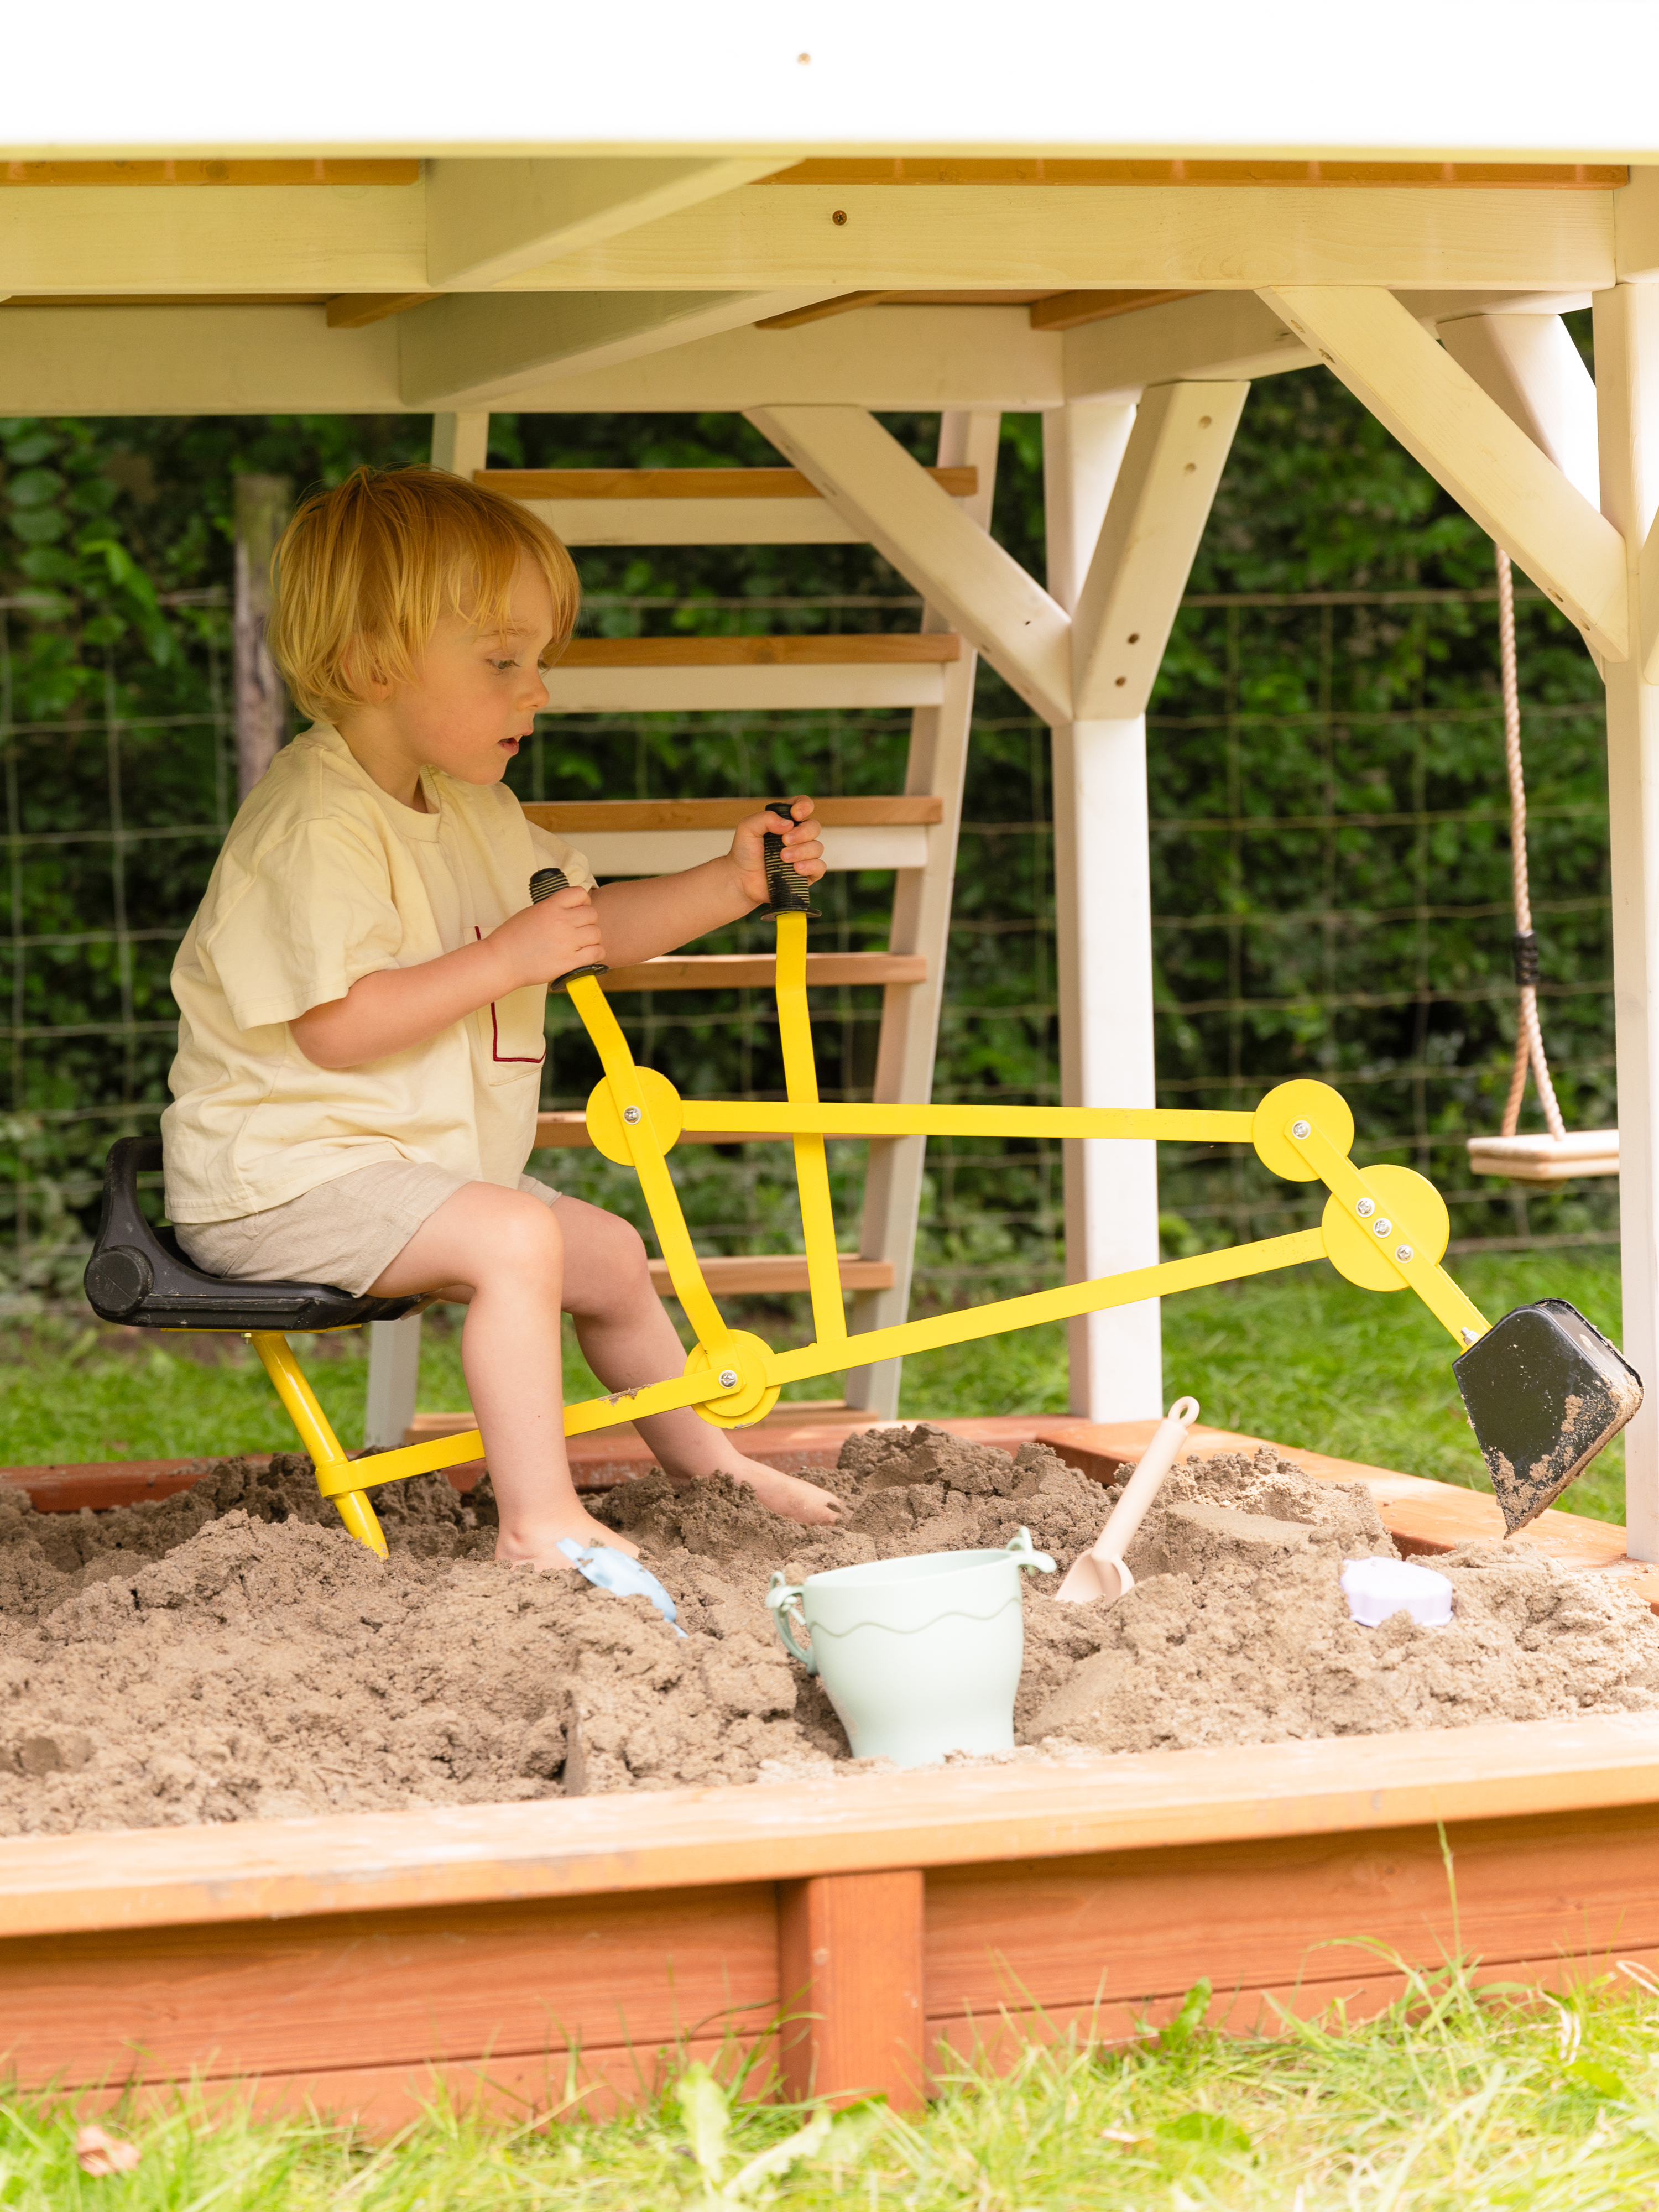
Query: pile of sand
{"points": [[230, 1654]]}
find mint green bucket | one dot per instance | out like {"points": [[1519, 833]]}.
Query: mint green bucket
{"points": [[921, 1657]]}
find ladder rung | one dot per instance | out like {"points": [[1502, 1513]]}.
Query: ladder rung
{"points": [[567, 1131], [682, 484], [869, 649], [729, 971], [569, 818], [776, 1272]]}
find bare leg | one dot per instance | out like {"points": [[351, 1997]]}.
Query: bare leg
{"points": [[628, 1340], [515, 1262], [503, 1250]]}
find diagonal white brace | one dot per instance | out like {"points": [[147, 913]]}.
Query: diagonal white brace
{"points": [[892, 501], [1160, 505], [1469, 445]]}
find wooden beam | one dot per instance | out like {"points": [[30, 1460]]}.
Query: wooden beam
{"points": [[317, 170], [913, 359], [1470, 445], [859, 649], [1326, 175], [745, 688], [893, 846], [1160, 503], [490, 219], [957, 568], [850, 1979], [1070, 311], [834, 238], [566, 1131], [843, 303], [247, 1872], [467, 351], [757, 971], [278, 238], [1530, 366], [683, 483], [1208, 337], [356, 311], [220, 359], [570, 817], [771, 1274]]}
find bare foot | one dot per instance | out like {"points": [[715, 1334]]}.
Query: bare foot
{"points": [[788, 1494], [539, 1547]]}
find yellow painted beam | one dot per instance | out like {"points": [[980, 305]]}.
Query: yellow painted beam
{"points": [[1172, 1124]]}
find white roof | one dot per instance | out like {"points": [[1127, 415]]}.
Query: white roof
{"points": [[1457, 79]]}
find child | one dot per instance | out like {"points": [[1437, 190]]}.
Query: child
{"points": [[360, 994]]}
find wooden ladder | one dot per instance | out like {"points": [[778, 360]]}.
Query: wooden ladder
{"points": [[913, 833]]}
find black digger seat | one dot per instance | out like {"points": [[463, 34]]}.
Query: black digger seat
{"points": [[139, 1276]]}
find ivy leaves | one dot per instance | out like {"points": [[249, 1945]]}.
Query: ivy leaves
{"points": [[65, 568]]}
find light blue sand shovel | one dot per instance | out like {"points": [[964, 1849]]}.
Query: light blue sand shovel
{"points": [[608, 1569]]}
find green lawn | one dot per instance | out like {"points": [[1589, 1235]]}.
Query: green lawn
{"points": [[1447, 2105], [1303, 1356]]}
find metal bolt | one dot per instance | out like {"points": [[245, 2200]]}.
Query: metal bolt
{"points": [[1365, 1208], [840, 216], [1300, 1129], [1403, 1252], [1382, 1225], [728, 1378], [630, 1114], [1470, 1336]]}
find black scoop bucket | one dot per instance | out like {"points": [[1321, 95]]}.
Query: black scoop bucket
{"points": [[1544, 1391]]}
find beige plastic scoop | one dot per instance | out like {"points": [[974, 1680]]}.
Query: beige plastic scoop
{"points": [[1101, 1572]]}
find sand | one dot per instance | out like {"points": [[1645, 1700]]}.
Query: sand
{"points": [[229, 1654]]}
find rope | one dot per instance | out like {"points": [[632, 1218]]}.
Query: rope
{"points": [[1528, 1037]]}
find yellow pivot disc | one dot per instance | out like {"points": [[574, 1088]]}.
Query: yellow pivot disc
{"points": [[1415, 1214], [605, 1121], [1289, 1101], [752, 1397]]}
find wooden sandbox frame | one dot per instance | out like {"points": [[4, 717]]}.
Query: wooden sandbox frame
{"points": [[556, 1958]]}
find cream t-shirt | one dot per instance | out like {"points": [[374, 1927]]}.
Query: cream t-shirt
{"points": [[324, 879]]}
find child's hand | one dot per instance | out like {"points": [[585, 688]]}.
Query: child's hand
{"points": [[802, 848], [549, 939]]}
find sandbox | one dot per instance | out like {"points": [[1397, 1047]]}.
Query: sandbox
{"points": [[536, 1951]]}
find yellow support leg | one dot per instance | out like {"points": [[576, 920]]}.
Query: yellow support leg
{"points": [[800, 1078], [319, 1438], [661, 1199]]}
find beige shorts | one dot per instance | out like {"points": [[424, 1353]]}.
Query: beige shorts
{"points": [[344, 1232]]}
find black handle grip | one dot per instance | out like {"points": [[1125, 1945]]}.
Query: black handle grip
{"points": [[787, 890], [543, 884]]}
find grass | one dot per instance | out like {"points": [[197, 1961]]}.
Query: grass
{"points": [[1303, 1356], [1453, 2101]]}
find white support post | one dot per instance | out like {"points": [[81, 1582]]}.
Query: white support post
{"points": [[938, 766], [1627, 392], [460, 443], [1127, 494], [1102, 914]]}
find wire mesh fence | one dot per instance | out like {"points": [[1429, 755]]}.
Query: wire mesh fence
{"points": [[1330, 873]]}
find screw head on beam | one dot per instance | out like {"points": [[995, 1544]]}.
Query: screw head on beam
{"points": [[1382, 1225], [630, 1114], [1365, 1208], [728, 1378], [1403, 1252], [1300, 1129]]}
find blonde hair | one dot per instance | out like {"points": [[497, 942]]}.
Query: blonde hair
{"points": [[376, 563]]}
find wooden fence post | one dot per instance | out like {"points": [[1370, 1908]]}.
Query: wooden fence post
{"points": [[262, 506], [850, 1972]]}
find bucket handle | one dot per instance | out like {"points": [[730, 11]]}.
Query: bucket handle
{"points": [[1024, 1553], [784, 1597]]}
